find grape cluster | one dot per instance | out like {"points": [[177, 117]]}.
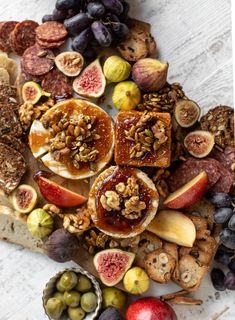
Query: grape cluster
{"points": [[92, 24], [225, 255]]}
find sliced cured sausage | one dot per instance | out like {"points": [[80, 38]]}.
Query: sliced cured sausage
{"points": [[5, 30], [57, 84], [51, 31]]}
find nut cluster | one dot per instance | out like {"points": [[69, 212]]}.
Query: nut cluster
{"points": [[125, 199], [160, 179], [29, 112], [163, 100], [146, 135], [79, 222], [72, 137]]}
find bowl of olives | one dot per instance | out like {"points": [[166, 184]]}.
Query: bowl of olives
{"points": [[72, 294]]}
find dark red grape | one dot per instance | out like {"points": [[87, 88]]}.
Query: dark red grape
{"points": [[223, 257], [77, 23], [126, 8], [59, 15], [230, 280], [217, 279], [65, 4], [71, 13], [231, 265], [120, 30], [101, 34], [81, 41], [47, 17], [110, 17], [114, 6], [227, 237], [220, 199], [231, 223], [96, 9], [222, 215]]}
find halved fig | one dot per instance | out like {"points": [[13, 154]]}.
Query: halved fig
{"points": [[32, 92], [70, 63], [24, 198], [186, 113], [199, 143], [91, 83]]}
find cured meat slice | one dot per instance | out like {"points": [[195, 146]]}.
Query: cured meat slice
{"points": [[225, 181], [23, 36], [12, 168], [37, 61], [12, 142], [51, 31], [5, 30], [57, 84], [49, 45], [190, 169], [28, 76], [9, 123]]}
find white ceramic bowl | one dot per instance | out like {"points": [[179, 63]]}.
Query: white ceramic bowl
{"points": [[50, 289]]}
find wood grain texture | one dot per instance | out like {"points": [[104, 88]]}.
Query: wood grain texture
{"points": [[195, 37]]}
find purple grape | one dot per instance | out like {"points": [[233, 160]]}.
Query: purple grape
{"points": [[217, 279], [101, 34], [114, 6], [231, 223], [220, 199], [222, 215], [120, 30], [126, 8], [81, 41], [65, 4], [47, 17], [96, 9], [231, 265], [227, 237], [223, 257], [59, 15], [230, 280], [77, 23], [90, 53], [110, 17], [71, 13]]}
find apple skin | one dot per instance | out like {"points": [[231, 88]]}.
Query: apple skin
{"points": [[150, 308], [189, 193], [58, 195]]}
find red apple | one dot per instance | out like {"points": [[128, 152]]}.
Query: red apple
{"points": [[189, 193], [150, 309], [58, 195]]}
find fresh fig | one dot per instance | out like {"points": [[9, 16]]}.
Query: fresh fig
{"points": [[186, 112], [199, 143], [32, 92], [62, 245], [70, 63], [91, 83], [40, 223], [112, 264], [126, 95], [113, 297], [111, 313], [24, 198]]}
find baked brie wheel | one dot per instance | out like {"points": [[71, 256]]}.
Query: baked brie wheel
{"points": [[123, 201], [74, 139]]}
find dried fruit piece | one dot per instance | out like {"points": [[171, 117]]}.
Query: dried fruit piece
{"points": [[24, 198], [116, 69], [113, 297], [70, 63], [186, 112], [112, 264], [91, 83], [32, 92], [40, 223], [199, 143], [136, 281], [150, 74], [126, 95]]}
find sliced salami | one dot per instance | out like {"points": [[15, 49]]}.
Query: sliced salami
{"points": [[23, 36], [51, 31], [30, 77], [37, 61], [225, 181], [190, 169], [49, 45], [57, 84], [5, 30]]}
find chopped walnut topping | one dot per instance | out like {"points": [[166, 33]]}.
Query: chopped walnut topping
{"points": [[79, 222], [110, 201], [133, 208]]}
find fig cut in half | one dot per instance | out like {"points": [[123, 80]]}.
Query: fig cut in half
{"points": [[70, 63], [186, 113], [91, 83], [199, 143], [112, 264], [32, 92], [24, 198]]}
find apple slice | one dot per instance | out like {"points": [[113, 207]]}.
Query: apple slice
{"points": [[173, 226], [58, 195], [189, 193]]}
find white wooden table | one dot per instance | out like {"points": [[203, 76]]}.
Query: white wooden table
{"points": [[194, 36]]}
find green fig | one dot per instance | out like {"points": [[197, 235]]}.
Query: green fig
{"points": [[40, 223]]}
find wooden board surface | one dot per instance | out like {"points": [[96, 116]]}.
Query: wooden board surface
{"points": [[195, 37]]}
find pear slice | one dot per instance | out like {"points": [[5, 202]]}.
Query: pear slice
{"points": [[173, 226]]}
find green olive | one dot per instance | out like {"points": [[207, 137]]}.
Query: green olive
{"points": [[60, 296], [88, 301], [76, 313], [54, 308], [67, 281], [84, 284], [72, 298]]}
